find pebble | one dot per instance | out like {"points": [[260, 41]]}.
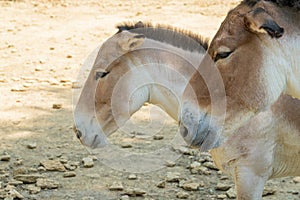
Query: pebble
{"points": [[170, 164], [88, 162], [57, 106], [69, 174], [231, 194], [161, 184], [221, 196], [14, 194], [158, 137], [31, 145], [53, 165], [28, 178], [47, 183], [268, 191], [222, 187], [124, 197], [132, 177], [182, 195], [173, 177], [116, 186], [195, 165], [33, 189], [210, 165], [18, 89], [134, 192], [5, 158], [191, 186], [296, 179], [15, 182], [125, 146]]}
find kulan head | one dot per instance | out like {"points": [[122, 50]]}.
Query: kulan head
{"points": [[247, 53], [93, 115]]}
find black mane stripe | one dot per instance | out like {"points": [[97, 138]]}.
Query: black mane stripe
{"points": [[171, 35]]}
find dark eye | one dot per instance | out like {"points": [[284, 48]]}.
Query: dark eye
{"points": [[222, 55], [100, 75]]}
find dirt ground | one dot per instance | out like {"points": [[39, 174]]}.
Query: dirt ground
{"points": [[42, 49]]}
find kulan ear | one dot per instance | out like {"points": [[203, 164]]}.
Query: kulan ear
{"points": [[131, 41], [259, 21]]}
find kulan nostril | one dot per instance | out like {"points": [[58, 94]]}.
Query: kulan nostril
{"points": [[183, 130], [78, 134]]}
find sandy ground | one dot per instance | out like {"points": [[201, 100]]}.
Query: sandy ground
{"points": [[42, 48]]}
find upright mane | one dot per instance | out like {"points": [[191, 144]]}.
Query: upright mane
{"points": [[171, 35], [281, 3]]}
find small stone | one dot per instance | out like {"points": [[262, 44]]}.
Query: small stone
{"points": [[268, 191], [28, 178], [15, 182], [296, 179], [173, 177], [195, 165], [124, 197], [116, 186], [76, 85], [88, 162], [18, 89], [231, 194], [158, 137], [221, 196], [53, 165], [57, 106], [182, 195], [42, 61], [125, 146], [38, 69], [191, 186], [69, 56], [170, 164], [47, 183], [33, 189], [69, 174], [222, 187], [210, 165], [135, 192], [5, 158], [14, 194], [161, 184], [132, 177], [31, 145]]}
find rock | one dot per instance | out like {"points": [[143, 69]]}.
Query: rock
{"points": [[222, 187], [182, 195], [135, 192], [126, 145], [191, 186], [116, 186], [28, 178], [69, 56], [13, 194], [170, 164], [33, 189], [173, 177], [88, 162], [268, 191], [31, 145], [18, 89], [132, 177], [5, 158], [195, 165], [38, 69], [210, 165], [57, 106], [161, 184], [69, 174], [47, 183], [158, 137], [15, 182], [296, 179], [124, 197], [221, 196], [231, 194], [53, 165]]}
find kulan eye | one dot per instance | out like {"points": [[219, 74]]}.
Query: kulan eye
{"points": [[222, 55], [100, 75]]}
